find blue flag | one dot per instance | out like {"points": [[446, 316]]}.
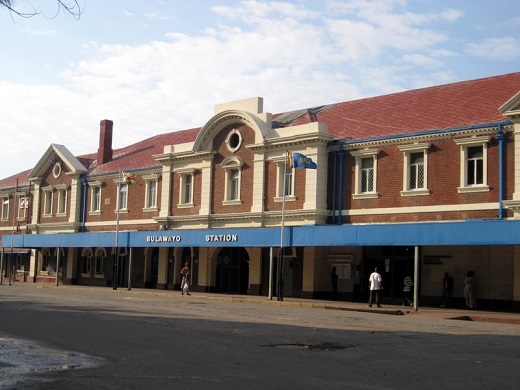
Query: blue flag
{"points": [[298, 160]]}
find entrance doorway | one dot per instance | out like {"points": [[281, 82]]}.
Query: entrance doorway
{"points": [[394, 263], [232, 275]]}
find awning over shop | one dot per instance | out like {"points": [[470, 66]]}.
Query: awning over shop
{"points": [[474, 232]]}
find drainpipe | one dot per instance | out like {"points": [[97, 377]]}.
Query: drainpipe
{"points": [[335, 158], [500, 138], [340, 196], [84, 210]]}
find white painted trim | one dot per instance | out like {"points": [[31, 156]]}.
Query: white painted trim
{"points": [[424, 209]]}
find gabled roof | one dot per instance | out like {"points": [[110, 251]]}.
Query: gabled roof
{"points": [[140, 155], [450, 106], [74, 165]]}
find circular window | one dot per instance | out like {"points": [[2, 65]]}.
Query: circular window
{"points": [[56, 170], [233, 140]]}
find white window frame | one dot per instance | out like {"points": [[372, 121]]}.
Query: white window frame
{"points": [[5, 208], [96, 189], [231, 165], [408, 150], [23, 205], [62, 200], [290, 182], [186, 187], [48, 201], [464, 144], [123, 198], [151, 192], [359, 155]]}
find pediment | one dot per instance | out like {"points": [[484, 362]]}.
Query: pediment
{"points": [[49, 157], [511, 108]]}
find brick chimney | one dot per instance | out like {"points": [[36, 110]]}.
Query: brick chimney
{"points": [[105, 151]]}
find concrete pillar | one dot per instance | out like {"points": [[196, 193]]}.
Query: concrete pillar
{"points": [[162, 269], [316, 273]]}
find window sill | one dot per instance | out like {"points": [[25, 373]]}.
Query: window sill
{"points": [[415, 192], [469, 190], [288, 198], [367, 195], [94, 213], [232, 202], [185, 205], [150, 209]]}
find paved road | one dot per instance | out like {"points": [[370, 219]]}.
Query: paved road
{"points": [[84, 338]]}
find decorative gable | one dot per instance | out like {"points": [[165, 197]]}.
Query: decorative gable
{"points": [[48, 161]]}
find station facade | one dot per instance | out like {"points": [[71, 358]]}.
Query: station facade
{"points": [[415, 183]]}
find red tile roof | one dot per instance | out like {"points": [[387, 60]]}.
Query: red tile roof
{"points": [[140, 155], [449, 106]]}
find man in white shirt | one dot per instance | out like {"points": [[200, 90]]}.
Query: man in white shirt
{"points": [[376, 285]]}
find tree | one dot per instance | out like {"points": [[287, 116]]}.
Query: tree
{"points": [[69, 6]]}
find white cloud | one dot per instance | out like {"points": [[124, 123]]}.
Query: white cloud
{"points": [[44, 33], [290, 54], [498, 49]]}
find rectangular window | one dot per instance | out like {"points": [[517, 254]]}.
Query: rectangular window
{"points": [[367, 175], [288, 179], [86, 266], [5, 208], [151, 201], [233, 180], [22, 206], [62, 201], [234, 184], [98, 265], [416, 170], [96, 198], [47, 205], [187, 188], [475, 163], [123, 197]]}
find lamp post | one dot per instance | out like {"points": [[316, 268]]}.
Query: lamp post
{"points": [[116, 254]]}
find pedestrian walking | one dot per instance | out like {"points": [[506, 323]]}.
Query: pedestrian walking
{"points": [[376, 285], [185, 283], [470, 287], [447, 288], [407, 291]]}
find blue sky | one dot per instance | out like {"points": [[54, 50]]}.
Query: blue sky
{"points": [[159, 66]]}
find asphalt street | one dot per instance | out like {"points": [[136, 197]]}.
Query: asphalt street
{"points": [[70, 337]]}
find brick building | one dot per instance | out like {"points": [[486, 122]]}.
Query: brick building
{"points": [[416, 183]]}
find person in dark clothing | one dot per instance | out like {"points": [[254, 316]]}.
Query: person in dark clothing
{"points": [[334, 281], [447, 288]]}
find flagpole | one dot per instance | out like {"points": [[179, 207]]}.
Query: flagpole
{"points": [[280, 257], [10, 262]]}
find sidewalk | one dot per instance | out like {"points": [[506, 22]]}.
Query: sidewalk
{"points": [[433, 312], [440, 313]]}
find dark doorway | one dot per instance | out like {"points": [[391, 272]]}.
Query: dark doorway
{"points": [[394, 263], [154, 269], [232, 271]]}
